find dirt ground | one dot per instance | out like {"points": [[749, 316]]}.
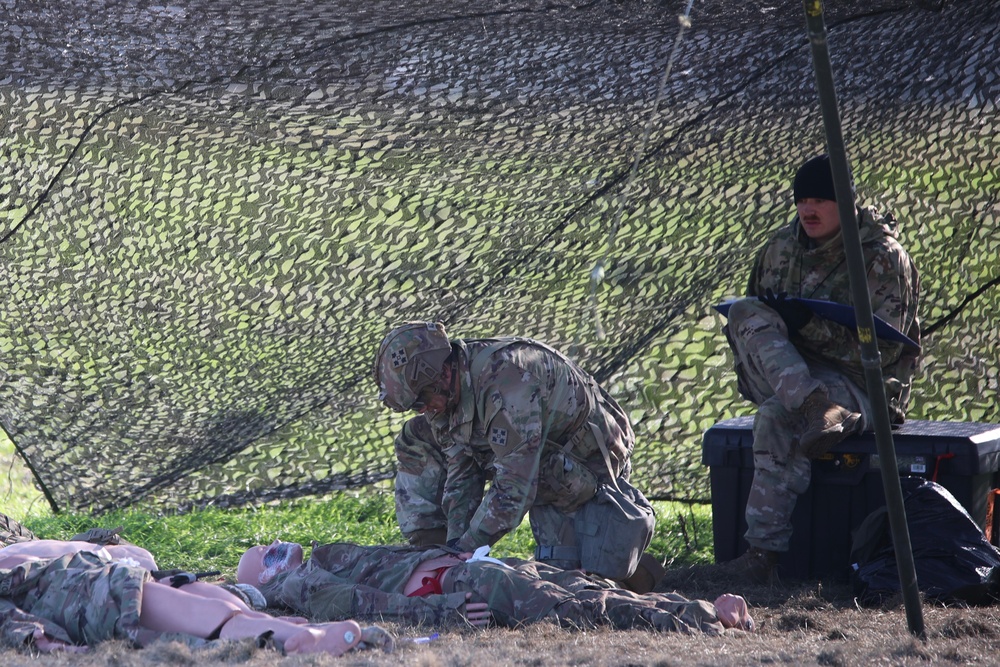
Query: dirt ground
{"points": [[800, 624]]}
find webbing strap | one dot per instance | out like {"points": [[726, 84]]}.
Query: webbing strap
{"points": [[556, 552]]}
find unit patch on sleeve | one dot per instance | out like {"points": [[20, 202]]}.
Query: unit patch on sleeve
{"points": [[498, 436], [502, 436]]}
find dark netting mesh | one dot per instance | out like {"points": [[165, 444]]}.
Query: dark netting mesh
{"points": [[211, 212]]}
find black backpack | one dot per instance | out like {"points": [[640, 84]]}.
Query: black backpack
{"points": [[952, 557]]}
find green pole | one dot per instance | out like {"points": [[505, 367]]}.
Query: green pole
{"points": [[870, 357]]}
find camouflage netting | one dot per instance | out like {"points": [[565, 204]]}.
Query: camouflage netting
{"points": [[210, 213]]}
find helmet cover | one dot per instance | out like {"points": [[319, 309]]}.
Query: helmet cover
{"points": [[409, 359]]}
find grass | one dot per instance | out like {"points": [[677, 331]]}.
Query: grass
{"points": [[213, 538], [18, 497], [814, 623]]}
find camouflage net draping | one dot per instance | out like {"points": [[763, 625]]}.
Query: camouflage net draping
{"points": [[211, 212]]}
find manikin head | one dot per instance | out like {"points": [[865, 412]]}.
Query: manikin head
{"points": [[258, 565]]}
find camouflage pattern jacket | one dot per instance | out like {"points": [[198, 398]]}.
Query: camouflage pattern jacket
{"points": [[348, 581], [520, 403], [789, 263], [81, 598]]}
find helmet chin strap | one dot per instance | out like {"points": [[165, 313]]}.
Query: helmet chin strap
{"points": [[451, 391]]}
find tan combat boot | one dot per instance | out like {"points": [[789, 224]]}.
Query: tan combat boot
{"points": [[826, 424], [756, 565], [648, 574]]}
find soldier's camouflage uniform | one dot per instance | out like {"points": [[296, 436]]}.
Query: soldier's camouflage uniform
{"points": [[528, 418], [82, 598], [365, 583], [777, 373], [421, 469]]}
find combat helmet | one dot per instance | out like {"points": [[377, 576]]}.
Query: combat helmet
{"points": [[410, 358]]}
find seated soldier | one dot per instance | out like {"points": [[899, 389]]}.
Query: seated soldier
{"points": [[67, 595], [438, 584]]}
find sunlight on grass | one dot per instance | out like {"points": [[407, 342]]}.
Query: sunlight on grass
{"points": [[19, 498], [214, 538]]}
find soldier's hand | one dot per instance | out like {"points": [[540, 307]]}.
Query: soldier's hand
{"points": [[478, 614], [795, 313]]}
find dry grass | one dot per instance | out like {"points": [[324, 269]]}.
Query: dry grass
{"points": [[804, 624], [799, 624]]}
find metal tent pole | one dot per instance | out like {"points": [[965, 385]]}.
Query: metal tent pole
{"points": [[870, 357]]}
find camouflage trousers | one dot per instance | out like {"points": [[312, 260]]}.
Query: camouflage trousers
{"points": [[533, 591], [89, 598], [773, 375]]}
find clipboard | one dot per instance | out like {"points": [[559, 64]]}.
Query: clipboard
{"points": [[841, 314]]}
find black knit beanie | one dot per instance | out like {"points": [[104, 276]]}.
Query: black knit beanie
{"points": [[814, 180]]}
